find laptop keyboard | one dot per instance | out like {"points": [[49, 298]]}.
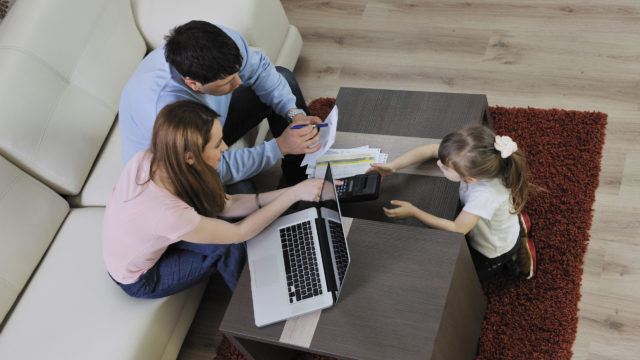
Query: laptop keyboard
{"points": [[339, 248], [300, 263]]}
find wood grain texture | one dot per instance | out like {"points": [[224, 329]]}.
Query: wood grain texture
{"points": [[388, 308], [573, 54], [299, 331], [576, 54], [407, 113], [389, 300]]}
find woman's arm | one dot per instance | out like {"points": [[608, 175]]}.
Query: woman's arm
{"points": [[241, 205], [414, 156], [216, 231], [462, 224]]}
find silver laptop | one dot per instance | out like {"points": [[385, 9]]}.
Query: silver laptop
{"points": [[299, 262]]}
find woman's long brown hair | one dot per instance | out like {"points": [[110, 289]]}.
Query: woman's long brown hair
{"points": [[471, 153], [180, 128]]}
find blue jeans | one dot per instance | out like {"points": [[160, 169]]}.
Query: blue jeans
{"points": [[185, 264]]}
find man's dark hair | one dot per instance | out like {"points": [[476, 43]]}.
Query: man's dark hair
{"points": [[202, 51]]}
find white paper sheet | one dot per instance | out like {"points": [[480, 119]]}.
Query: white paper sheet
{"points": [[347, 162], [327, 138]]}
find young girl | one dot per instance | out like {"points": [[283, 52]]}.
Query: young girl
{"points": [[162, 228], [493, 189]]}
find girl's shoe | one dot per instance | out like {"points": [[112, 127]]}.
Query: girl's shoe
{"points": [[526, 222], [527, 253], [530, 254]]}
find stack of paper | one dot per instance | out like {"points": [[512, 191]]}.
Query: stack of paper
{"points": [[346, 162], [327, 137]]}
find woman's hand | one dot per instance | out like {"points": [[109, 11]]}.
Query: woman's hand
{"points": [[403, 210], [382, 169], [308, 190]]}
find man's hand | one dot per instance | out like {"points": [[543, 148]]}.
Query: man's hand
{"points": [[305, 119], [403, 210], [300, 141]]}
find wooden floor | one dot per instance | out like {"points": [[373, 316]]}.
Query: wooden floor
{"points": [[579, 54]]}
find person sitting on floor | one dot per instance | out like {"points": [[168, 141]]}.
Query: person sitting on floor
{"points": [[164, 228], [493, 190], [215, 66]]}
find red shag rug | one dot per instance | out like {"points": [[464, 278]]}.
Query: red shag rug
{"points": [[537, 318]]}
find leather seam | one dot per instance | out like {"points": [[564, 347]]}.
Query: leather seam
{"points": [[84, 50]]}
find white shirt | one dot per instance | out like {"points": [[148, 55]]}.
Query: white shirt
{"points": [[497, 230]]}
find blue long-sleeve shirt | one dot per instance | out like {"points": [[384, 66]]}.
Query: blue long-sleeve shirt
{"points": [[155, 84]]}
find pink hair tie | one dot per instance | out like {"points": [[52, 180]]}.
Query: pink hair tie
{"points": [[505, 145]]}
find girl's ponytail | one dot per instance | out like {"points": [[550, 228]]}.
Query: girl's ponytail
{"points": [[514, 177]]}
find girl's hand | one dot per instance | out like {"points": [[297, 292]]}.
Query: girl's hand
{"points": [[382, 169], [403, 210], [308, 190]]}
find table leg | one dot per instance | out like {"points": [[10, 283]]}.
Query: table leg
{"points": [[487, 120], [463, 314]]}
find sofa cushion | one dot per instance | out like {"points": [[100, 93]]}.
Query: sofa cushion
{"points": [[62, 79], [262, 22], [104, 174], [30, 216], [73, 310]]}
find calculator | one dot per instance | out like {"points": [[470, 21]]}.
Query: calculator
{"points": [[361, 187]]}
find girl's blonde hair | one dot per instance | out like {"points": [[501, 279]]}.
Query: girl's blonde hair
{"points": [[471, 153], [182, 127]]}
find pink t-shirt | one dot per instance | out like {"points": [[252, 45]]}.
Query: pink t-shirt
{"points": [[140, 221]]}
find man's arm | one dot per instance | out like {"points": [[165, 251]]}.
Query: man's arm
{"points": [[241, 164], [258, 72]]}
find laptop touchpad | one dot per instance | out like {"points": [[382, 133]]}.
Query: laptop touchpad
{"points": [[267, 271]]}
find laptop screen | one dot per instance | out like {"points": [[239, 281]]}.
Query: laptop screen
{"points": [[335, 231], [328, 194]]}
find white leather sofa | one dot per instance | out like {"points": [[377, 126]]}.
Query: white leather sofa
{"points": [[63, 64]]}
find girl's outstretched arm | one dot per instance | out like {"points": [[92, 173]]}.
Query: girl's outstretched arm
{"points": [[462, 224], [414, 156]]}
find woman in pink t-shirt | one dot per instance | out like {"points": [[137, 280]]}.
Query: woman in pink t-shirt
{"points": [[164, 227]]}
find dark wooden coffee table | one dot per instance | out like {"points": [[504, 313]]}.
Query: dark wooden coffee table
{"points": [[411, 292], [397, 121], [409, 113]]}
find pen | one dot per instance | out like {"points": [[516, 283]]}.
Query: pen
{"points": [[300, 126]]}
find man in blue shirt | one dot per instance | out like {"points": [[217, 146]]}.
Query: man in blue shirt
{"points": [[215, 66]]}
